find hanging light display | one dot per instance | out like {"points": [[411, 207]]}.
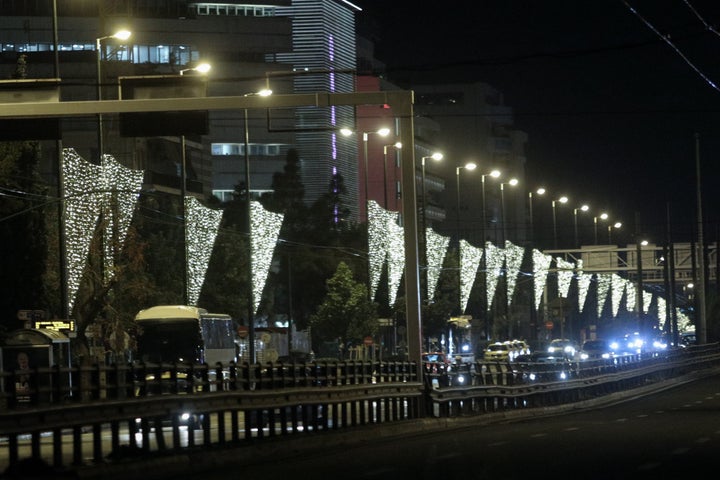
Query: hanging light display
{"points": [[265, 232], [201, 229], [385, 242], [121, 187], [584, 282], [618, 289], [494, 262], [377, 240], [647, 301], [541, 267], [630, 296], [513, 260], [436, 247], [92, 190], [604, 280], [662, 313], [565, 273], [395, 247], [469, 263]]}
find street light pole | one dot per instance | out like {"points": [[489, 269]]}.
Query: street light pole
{"points": [[512, 183], [468, 166], [603, 216], [437, 156], [616, 225], [250, 294], [121, 35], [584, 208], [384, 132], [397, 146], [554, 217], [483, 259], [539, 191]]}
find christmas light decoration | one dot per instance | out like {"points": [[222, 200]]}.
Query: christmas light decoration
{"points": [[513, 259], [82, 211], [604, 280], [92, 190], [618, 288], [469, 263], [494, 262], [541, 267], [630, 296], [121, 187], [395, 248], [377, 241], [565, 273], [201, 229], [647, 300], [265, 228], [662, 312], [386, 241], [436, 247], [584, 282]]}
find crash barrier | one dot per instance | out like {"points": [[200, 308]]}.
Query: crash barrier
{"points": [[87, 416], [482, 387], [69, 416]]}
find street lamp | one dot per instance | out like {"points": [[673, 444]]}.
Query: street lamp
{"points": [[469, 167], [483, 259], [562, 199], [120, 35], [437, 156], [615, 225], [202, 68], [383, 132], [396, 146], [512, 182], [540, 191], [494, 174], [602, 216], [250, 298], [583, 208]]}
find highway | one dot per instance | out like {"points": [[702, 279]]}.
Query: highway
{"points": [[671, 434]]}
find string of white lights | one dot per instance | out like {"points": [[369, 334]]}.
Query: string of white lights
{"points": [[201, 229], [265, 227], [436, 246], [494, 262], [565, 274], [514, 255], [541, 268], [470, 257]]}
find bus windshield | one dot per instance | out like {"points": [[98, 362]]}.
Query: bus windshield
{"points": [[169, 340]]}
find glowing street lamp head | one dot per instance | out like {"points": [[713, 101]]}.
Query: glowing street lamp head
{"points": [[513, 181], [383, 132], [437, 156], [585, 208], [495, 173], [470, 166], [617, 225], [121, 34], [604, 216], [563, 199], [346, 132]]}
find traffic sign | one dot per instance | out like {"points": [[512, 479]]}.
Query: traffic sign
{"points": [[549, 325], [368, 340]]}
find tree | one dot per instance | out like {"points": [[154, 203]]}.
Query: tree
{"points": [[23, 229], [346, 314]]}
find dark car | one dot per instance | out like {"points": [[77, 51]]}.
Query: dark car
{"points": [[543, 366], [596, 350]]}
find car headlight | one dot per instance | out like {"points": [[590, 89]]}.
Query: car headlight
{"points": [[584, 356]]}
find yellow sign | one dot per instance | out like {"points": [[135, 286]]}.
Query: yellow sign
{"points": [[56, 324]]}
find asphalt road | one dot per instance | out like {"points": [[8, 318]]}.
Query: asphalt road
{"points": [[671, 434]]}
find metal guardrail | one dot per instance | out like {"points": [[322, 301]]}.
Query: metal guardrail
{"points": [[122, 411]]}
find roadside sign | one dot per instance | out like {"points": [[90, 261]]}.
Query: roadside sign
{"points": [[368, 341], [549, 325]]}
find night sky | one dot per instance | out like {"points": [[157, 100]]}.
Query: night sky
{"points": [[611, 107]]}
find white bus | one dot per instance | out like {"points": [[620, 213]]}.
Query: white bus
{"points": [[185, 334]]}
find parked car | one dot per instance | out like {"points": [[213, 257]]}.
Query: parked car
{"points": [[596, 349], [497, 352], [435, 362]]}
